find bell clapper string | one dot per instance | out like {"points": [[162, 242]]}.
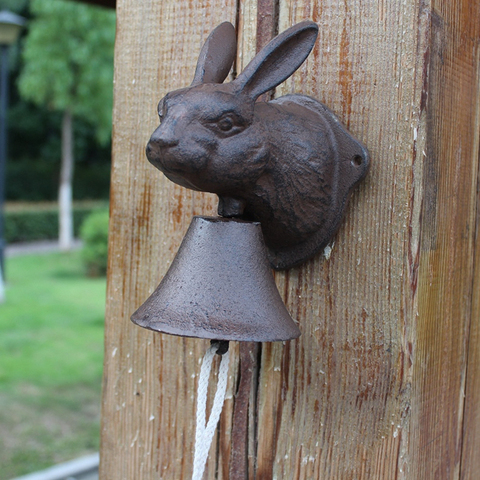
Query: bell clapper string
{"points": [[205, 430]]}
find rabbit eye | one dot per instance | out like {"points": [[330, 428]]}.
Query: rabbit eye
{"points": [[225, 124]]}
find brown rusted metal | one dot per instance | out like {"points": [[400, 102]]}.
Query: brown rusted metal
{"points": [[287, 163], [267, 28], [219, 286], [267, 21], [245, 405]]}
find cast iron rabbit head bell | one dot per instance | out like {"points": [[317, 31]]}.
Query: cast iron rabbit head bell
{"points": [[283, 171]]}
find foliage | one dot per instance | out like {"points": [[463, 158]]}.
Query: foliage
{"points": [[33, 166], [68, 60], [94, 233], [40, 222], [32, 180], [34, 144], [51, 346], [16, 6]]}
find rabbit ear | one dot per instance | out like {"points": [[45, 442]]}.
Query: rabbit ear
{"points": [[278, 60], [217, 55]]}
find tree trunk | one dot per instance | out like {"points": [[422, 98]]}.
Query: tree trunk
{"points": [[384, 382], [65, 189]]}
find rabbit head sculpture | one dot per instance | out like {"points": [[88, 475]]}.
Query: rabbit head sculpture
{"points": [[287, 163]]}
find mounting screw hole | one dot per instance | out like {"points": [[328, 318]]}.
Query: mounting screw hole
{"points": [[357, 160]]}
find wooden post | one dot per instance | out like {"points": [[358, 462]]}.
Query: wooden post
{"points": [[384, 382]]}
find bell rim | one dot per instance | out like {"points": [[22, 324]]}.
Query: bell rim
{"points": [[206, 335]]}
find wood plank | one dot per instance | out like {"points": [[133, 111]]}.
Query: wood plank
{"points": [[344, 384], [471, 423], [150, 379], [470, 465], [374, 387], [445, 274]]}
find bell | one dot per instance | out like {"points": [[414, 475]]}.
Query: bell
{"points": [[219, 286]]}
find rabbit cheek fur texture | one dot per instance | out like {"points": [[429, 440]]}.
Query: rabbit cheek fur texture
{"points": [[208, 140], [299, 169]]}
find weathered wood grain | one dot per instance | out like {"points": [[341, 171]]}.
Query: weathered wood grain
{"points": [[346, 381], [446, 258], [374, 388], [150, 379], [470, 466], [385, 381]]}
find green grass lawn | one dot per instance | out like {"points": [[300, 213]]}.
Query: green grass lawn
{"points": [[51, 352]]}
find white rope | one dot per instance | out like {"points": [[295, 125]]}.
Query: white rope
{"points": [[204, 433]]}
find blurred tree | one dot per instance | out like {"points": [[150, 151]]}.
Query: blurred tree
{"points": [[15, 6], [68, 67]]}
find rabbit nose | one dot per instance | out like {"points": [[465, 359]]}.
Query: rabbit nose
{"points": [[163, 141]]}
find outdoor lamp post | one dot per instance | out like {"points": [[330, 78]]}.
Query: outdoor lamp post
{"points": [[10, 26]]}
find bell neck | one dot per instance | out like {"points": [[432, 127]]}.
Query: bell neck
{"points": [[231, 207]]}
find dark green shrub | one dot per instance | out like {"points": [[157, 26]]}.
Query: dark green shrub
{"points": [[30, 180], [94, 233], [30, 226], [32, 222]]}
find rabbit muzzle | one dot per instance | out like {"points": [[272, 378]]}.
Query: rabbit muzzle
{"points": [[160, 147], [162, 141], [180, 159]]}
